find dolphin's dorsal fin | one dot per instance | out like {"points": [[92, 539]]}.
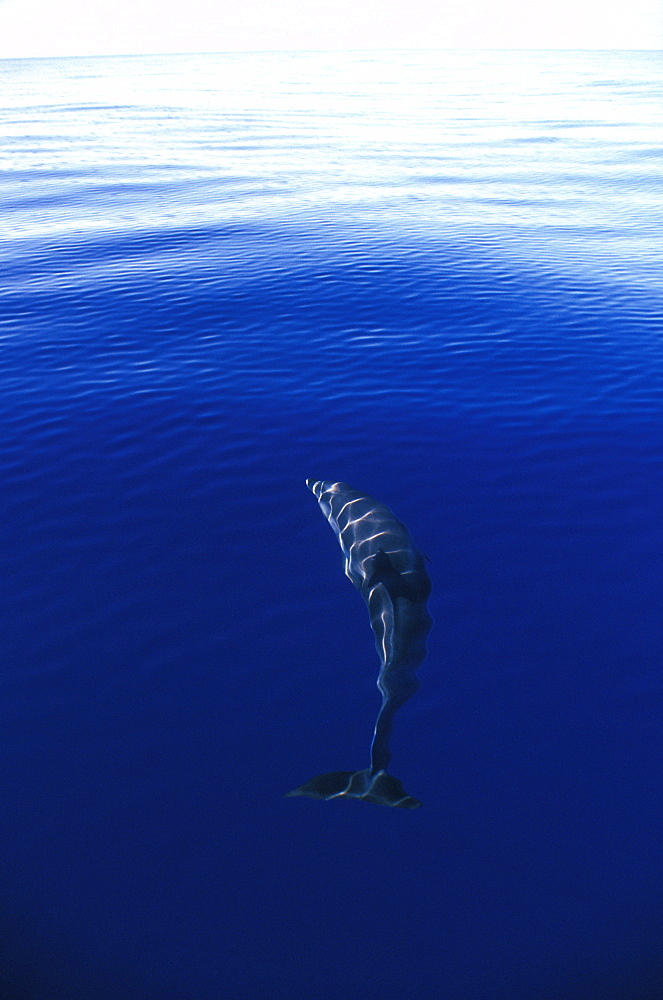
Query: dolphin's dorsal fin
{"points": [[383, 571]]}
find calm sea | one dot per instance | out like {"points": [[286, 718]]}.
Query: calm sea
{"points": [[438, 277]]}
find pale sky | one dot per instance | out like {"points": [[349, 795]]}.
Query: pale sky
{"points": [[100, 27]]}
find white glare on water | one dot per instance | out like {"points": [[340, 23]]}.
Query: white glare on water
{"points": [[76, 27]]}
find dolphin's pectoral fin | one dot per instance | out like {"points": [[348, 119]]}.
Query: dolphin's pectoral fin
{"points": [[380, 788]]}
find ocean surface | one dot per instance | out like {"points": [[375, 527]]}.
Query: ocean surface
{"points": [[437, 276]]}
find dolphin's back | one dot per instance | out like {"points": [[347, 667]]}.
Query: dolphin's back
{"points": [[388, 569], [365, 527]]}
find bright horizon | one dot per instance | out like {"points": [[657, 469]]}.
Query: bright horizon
{"points": [[30, 28]]}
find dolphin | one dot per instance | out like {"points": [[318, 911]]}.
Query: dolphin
{"points": [[388, 570]]}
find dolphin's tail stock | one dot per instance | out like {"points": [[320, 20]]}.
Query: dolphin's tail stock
{"points": [[372, 786]]}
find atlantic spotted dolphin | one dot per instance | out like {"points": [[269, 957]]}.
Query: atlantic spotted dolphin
{"points": [[388, 570]]}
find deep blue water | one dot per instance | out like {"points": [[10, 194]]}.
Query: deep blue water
{"points": [[436, 276]]}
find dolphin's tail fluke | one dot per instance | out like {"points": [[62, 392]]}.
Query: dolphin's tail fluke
{"points": [[378, 787]]}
